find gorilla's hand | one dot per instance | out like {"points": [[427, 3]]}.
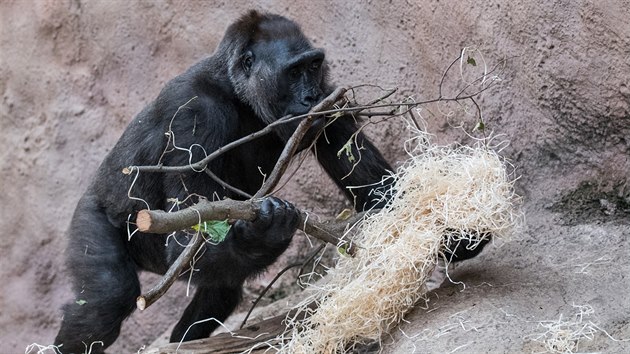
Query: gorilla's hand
{"points": [[461, 249], [273, 227]]}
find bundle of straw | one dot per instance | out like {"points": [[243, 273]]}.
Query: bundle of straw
{"points": [[439, 191]]}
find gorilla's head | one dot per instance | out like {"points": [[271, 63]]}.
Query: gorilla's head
{"points": [[273, 67]]}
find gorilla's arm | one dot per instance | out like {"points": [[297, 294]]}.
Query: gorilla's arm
{"points": [[364, 174], [369, 169]]}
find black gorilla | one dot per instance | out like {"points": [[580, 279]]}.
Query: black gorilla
{"points": [[263, 69]]}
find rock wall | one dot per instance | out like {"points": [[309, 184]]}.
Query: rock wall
{"points": [[72, 74]]}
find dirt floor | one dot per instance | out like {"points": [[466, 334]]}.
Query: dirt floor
{"points": [[542, 292], [73, 74]]}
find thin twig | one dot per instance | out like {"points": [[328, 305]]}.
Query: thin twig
{"points": [[444, 75], [273, 281], [387, 94], [227, 185], [413, 119]]}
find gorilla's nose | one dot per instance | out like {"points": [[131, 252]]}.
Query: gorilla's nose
{"points": [[312, 98]]}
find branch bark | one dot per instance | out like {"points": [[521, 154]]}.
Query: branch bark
{"points": [[161, 222]]}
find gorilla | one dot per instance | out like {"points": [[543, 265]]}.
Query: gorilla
{"points": [[263, 69]]}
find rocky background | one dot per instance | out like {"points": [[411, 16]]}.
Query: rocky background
{"points": [[74, 73]]}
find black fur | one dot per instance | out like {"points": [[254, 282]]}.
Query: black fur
{"points": [[263, 69]]}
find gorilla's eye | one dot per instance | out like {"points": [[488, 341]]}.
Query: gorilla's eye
{"points": [[248, 61], [294, 73], [315, 65]]}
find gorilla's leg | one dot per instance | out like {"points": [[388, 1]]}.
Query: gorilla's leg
{"points": [[460, 248], [210, 304], [105, 282]]}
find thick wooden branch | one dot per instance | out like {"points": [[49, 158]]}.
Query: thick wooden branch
{"points": [[224, 343], [161, 222], [251, 339]]}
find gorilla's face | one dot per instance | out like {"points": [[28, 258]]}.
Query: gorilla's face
{"points": [[284, 76], [300, 82]]}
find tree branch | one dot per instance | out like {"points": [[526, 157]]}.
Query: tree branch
{"points": [[251, 339], [202, 164], [161, 222]]}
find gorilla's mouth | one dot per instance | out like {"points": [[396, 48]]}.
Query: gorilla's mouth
{"points": [[298, 110]]}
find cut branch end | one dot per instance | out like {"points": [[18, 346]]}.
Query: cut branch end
{"points": [[141, 303], [143, 220]]}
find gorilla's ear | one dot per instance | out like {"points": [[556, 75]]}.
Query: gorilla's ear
{"points": [[248, 61]]}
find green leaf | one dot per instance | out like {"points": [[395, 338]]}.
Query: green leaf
{"points": [[81, 302], [471, 61], [345, 214], [348, 150], [480, 126], [343, 250], [214, 229]]}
